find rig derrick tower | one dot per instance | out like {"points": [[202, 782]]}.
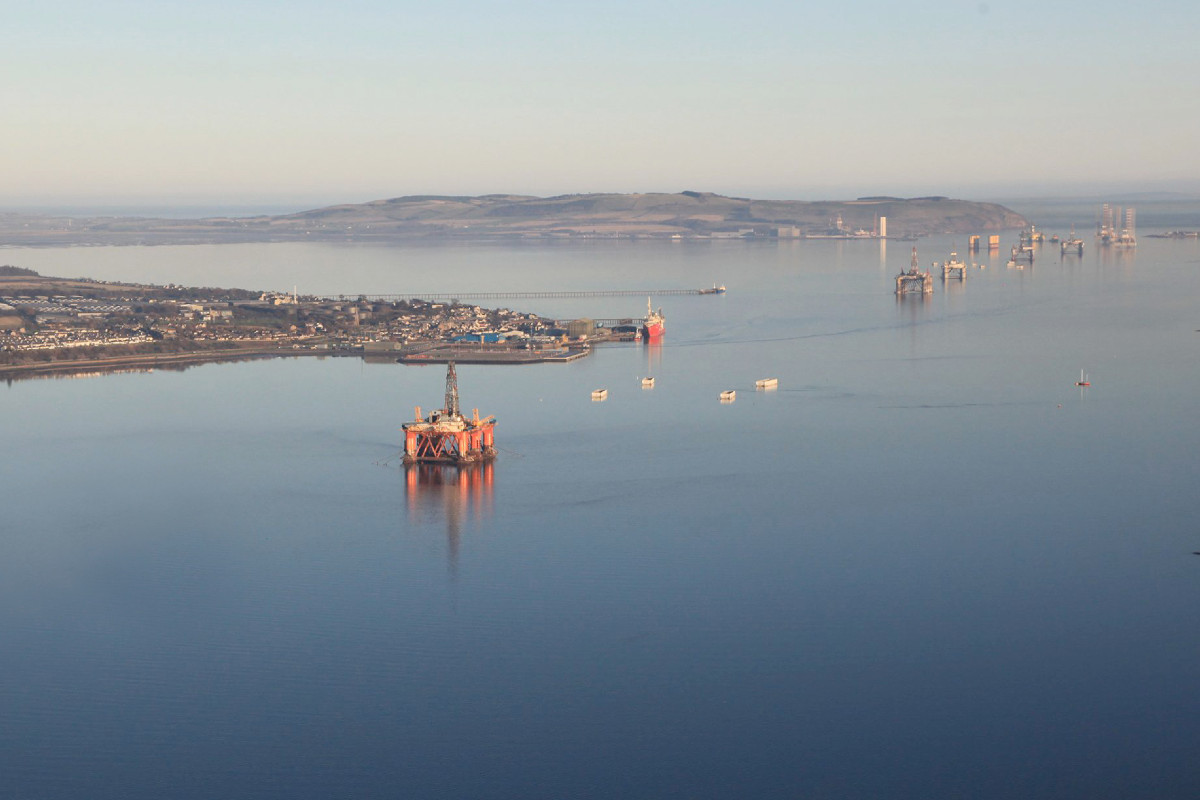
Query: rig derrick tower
{"points": [[451, 391]]}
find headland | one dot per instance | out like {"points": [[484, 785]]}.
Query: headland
{"points": [[57, 325], [682, 215]]}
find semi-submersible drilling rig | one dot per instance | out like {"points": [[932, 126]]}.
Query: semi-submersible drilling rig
{"points": [[446, 437]]}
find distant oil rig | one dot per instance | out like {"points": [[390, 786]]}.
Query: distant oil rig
{"points": [[1074, 245], [914, 281], [1108, 233], [446, 437], [953, 268]]}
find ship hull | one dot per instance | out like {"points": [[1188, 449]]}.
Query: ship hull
{"points": [[652, 330]]}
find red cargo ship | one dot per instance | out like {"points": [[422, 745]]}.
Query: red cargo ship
{"points": [[653, 327]]}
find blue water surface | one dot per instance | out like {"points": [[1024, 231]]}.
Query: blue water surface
{"points": [[928, 565]]}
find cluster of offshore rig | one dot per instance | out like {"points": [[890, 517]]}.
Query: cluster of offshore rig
{"points": [[446, 436]]}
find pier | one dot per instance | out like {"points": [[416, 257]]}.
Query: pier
{"points": [[443, 297], [450, 352]]}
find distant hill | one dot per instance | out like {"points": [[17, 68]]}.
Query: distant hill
{"points": [[685, 214], [9, 271]]}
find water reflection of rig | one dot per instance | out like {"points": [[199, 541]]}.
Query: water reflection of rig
{"points": [[459, 487], [459, 493], [446, 437]]}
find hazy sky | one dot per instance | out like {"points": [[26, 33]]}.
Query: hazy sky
{"points": [[320, 102]]}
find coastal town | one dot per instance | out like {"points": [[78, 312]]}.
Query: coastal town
{"points": [[49, 324]]}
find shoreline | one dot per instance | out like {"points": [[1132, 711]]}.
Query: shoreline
{"points": [[148, 361], [152, 360]]}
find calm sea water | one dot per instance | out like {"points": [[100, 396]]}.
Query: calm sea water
{"points": [[927, 566]]}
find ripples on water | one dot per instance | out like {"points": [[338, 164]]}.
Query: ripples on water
{"points": [[927, 566]]}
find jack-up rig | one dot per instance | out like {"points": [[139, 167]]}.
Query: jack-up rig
{"points": [[446, 437], [1108, 234]]}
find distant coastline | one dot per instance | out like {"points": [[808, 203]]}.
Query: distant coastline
{"points": [[146, 362], [684, 215]]}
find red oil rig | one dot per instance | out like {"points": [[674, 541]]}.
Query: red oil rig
{"points": [[447, 437]]}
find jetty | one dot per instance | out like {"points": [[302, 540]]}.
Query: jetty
{"points": [[451, 297], [449, 352]]}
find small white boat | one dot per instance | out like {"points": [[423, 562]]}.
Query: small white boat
{"points": [[600, 394], [766, 383], [728, 396], [647, 383]]}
